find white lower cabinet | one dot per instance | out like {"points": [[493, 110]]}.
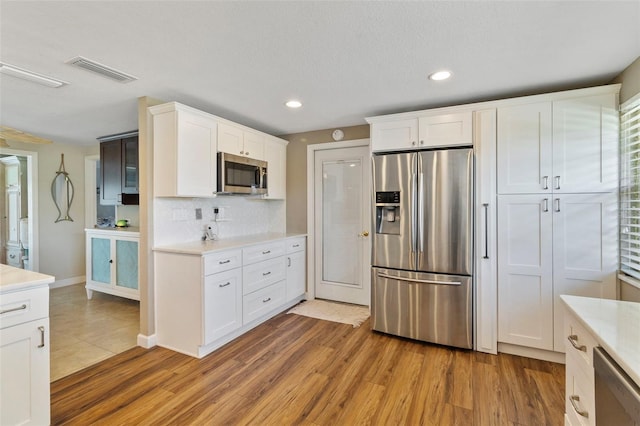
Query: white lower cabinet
{"points": [[24, 357], [296, 267], [550, 245], [579, 374], [204, 300], [222, 304]]}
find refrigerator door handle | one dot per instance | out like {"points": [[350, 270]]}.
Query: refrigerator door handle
{"points": [[412, 280], [420, 211], [414, 195]]}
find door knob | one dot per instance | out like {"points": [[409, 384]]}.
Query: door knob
{"points": [[364, 234]]}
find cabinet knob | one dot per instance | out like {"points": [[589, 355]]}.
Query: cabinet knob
{"points": [[247, 153], [241, 152], [421, 142], [110, 260], [413, 143]]}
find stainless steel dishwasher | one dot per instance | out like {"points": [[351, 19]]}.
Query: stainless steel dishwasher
{"points": [[617, 396]]}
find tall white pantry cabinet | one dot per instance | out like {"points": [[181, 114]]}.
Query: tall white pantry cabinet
{"points": [[557, 177]]}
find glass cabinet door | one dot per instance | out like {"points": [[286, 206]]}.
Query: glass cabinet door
{"points": [[127, 264], [101, 260]]}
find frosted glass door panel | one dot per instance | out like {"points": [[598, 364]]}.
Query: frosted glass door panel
{"points": [[127, 264], [101, 260], [341, 212]]}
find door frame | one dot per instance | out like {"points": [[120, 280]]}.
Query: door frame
{"points": [[32, 203], [311, 211]]}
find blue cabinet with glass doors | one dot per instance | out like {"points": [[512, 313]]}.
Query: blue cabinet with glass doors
{"points": [[112, 262]]}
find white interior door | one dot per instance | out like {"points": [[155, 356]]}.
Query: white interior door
{"points": [[342, 221]]}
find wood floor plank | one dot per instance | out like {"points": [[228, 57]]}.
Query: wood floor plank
{"points": [[303, 371]]}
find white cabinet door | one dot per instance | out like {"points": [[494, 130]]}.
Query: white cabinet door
{"points": [[524, 149], [486, 245], [394, 135], [230, 139], [275, 153], [253, 145], [296, 274], [222, 304], [24, 368], [584, 250], [184, 152], [585, 144], [445, 130], [197, 155], [236, 141], [525, 285]]}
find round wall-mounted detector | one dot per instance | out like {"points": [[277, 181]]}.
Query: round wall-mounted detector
{"points": [[337, 135], [440, 75]]}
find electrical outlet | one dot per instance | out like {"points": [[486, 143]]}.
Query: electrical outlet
{"points": [[198, 213]]}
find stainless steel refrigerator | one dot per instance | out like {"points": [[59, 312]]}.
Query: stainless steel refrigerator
{"points": [[422, 259]]}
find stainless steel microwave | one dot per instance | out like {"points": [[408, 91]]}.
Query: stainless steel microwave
{"points": [[241, 175]]}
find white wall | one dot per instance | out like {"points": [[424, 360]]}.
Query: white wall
{"points": [[175, 222]]}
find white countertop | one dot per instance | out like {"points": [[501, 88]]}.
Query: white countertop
{"points": [[205, 247], [615, 325], [15, 279], [131, 230]]}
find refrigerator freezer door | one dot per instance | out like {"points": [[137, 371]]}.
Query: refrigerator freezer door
{"points": [[429, 307], [445, 208], [394, 173]]}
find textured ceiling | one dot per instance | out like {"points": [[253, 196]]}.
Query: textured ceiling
{"points": [[343, 60]]}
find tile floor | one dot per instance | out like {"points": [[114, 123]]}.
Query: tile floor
{"points": [[84, 332]]}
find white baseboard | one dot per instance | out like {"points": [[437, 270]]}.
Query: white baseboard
{"points": [[67, 282], [147, 342], [507, 348]]}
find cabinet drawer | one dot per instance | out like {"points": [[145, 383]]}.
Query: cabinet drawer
{"points": [[262, 252], [222, 261], [23, 306], [580, 391], [579, 342], [296, 244], [262, 274], [262, 301]]}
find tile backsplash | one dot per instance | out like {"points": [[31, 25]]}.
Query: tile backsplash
{"points": [[175, 219]]}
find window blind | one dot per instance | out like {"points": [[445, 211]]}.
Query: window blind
{"points": [[630, 187]]}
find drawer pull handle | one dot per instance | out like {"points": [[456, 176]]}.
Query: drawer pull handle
{"points": [[222, 262], [289, 261], [266, 252], [41, 328], [225, 284], [19, 308], [296, 245], [264, 274], [268, 299], [574, 342], [574, 399]]}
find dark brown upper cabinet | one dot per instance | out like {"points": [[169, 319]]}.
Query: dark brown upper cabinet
{"points": [[119, 169]]}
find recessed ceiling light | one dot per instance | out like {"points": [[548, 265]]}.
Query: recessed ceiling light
{"points": [[23, 74], [293, 104], [440, 75]]}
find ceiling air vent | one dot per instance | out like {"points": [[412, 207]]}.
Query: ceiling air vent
{"points": [[103, 70]]}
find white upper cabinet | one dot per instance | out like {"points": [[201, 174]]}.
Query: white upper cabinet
{"points": [[184, 151], [585, 144], [394, 135], [445, 130], [424, 131], [237, 141], [524, 148], [560, 146], [275, 153]]}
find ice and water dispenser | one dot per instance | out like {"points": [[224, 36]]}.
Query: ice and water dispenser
{"points": [[388, 212]]}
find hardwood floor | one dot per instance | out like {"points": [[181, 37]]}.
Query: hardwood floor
{"points": [[304, 371]]}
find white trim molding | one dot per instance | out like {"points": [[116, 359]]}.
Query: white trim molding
{"points": [[67, 282], [147, 342]]}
